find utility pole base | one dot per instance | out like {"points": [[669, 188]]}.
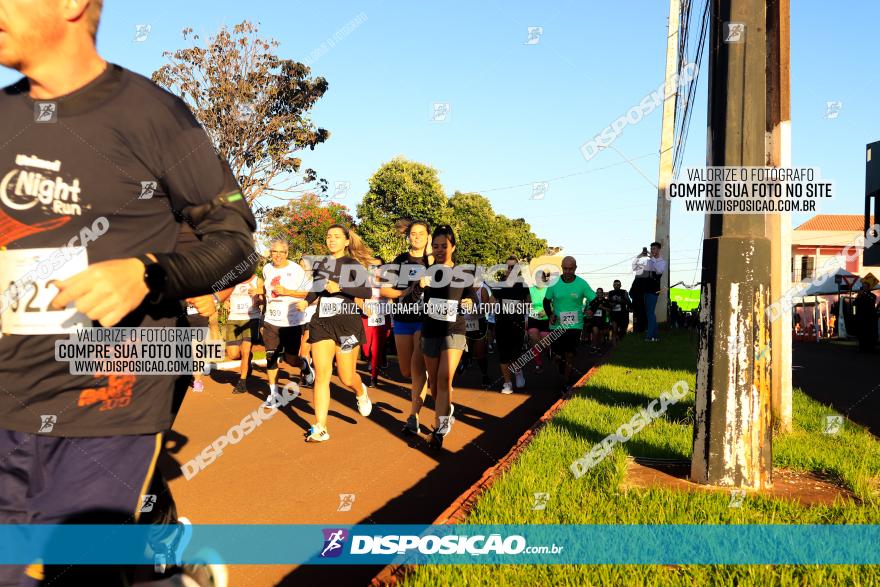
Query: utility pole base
{"points": [[733, 429]]}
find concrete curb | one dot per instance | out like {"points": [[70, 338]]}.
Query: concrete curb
{"points": [[458, 511]]}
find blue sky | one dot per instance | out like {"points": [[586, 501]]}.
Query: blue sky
{"points": [[520, 112]]}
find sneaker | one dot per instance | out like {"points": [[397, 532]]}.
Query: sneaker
{"points": [[446, 422], [436, 440], [271, 400], [317, 433], [308, 376], [240, 387], [198, 386], [507, 388], [374, 382], [412, 426], [520, 379], [365, 406]]}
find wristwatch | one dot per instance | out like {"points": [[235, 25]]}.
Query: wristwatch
{"points": [[155, 278]]}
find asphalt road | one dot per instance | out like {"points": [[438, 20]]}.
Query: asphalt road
{"points": [[273, 477]]}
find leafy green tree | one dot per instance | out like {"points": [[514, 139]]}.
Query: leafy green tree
{"points": [[400, 189], [516, 238], [474, 223], [407, 189]]}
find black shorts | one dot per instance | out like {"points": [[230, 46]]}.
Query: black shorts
{"points": [[540, 325], [567, 342], [599, 323], [621, 319], [282, 339], [481, 331], [345, 331], [509, 339], [90, 480]]}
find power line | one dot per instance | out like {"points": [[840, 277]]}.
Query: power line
{"points": [[552, 179]]}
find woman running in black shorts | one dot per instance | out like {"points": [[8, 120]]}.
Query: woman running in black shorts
{"points": [[336, 329]]}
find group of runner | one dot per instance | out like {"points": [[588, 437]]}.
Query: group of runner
{"points": [[441, 324]]}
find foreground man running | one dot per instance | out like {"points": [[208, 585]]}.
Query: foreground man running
{"points": [[126, 161]]}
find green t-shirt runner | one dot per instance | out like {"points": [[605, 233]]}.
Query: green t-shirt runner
{"points": [[568, 301], [537, 296]]}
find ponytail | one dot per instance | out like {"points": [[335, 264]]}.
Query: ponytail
{"points": [[356, 248]]}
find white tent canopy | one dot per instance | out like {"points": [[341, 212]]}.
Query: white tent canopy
{"points": [[828, 286]]}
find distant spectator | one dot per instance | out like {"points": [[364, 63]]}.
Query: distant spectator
{"points": [[649, 268], [637, 292]]}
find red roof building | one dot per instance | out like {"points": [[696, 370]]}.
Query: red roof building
{"points": [[822, 237]]}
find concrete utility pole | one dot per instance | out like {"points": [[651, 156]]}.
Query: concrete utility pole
{"points": [[667, 151], [732, 432], [779, 225]]}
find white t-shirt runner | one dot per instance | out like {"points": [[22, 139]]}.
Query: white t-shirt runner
{"points": [[281, 310], [242, 305]]}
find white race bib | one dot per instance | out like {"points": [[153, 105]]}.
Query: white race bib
{"points": [[26, 293], [568, 318], [376, 320], [616, 308], [242, 304], [276, 310], [329, 307], [191, 310], [443, 310], [597, 314], [472, 325]]}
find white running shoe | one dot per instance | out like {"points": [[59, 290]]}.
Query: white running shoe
{"points": [[365, 406], [317, 433], [507, 388], [520, 379], [272, 400], [446, 422]]}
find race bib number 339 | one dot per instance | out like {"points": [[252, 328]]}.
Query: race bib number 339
{"points": [[24, 281]]}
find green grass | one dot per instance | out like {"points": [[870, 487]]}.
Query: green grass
{"points": [[636, 374]]}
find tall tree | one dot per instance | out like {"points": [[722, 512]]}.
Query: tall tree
{"points": [[400, 189], [516, 238], [254, 105], [474, 222]]}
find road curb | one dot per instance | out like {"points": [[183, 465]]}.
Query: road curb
{"points": [[457, 512]]}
